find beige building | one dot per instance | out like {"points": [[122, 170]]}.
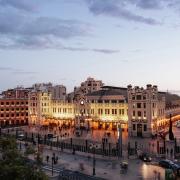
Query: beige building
{"points": [[88, 86], [39, 106], [106, 106], [146, 110], [58, 92]]}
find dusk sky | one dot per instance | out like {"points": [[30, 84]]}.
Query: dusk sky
{"points": [[65, 41]]}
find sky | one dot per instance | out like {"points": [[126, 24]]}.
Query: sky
{"points": [[120, 42]]}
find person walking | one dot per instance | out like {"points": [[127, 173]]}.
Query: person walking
{"points": [[47, 158]]}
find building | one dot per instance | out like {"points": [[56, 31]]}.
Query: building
{"points": [[14, 107], [39, 106], [88, 86], [106, 107], [146, 110], [42, 86], [58, 92]]}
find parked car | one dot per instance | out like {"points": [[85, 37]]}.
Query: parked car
{"points": [[21, 137], [145, 157], [170, 165], [50, 136]]}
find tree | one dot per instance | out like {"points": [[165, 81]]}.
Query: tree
{"points": [[13, 166]]}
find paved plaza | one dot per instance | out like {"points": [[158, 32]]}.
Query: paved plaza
{"points": [[106, 167]]}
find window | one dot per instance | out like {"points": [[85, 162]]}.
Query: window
{"points": [[106, 111], [115, 111], [113, 101], [100, 111], [134, 127], [138, 97], [134, 113], [144, 113], [122, 111], [144, 105], [139, 113], [138, 105], [145, 127], [144, 97], [2, 103], [7, 103], [106, 101]]}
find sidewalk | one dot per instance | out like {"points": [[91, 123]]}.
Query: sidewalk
{"points": [[106, 167]]}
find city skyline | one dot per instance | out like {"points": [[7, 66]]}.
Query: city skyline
{"points": [[64, 42]]}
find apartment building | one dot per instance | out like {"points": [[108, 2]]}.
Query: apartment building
{"points": [[146, 110], [14, 107]]}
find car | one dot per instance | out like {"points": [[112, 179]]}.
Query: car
{"points": [[49, 136], [170, 165], [145, 157], [166, 164], [21, 137]]}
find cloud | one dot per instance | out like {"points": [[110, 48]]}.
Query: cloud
{"points": [[116, 8], [106, 51], [17, 71], [20, 31], [147, 4], [21, 72], [26, 5], [5, 69]]}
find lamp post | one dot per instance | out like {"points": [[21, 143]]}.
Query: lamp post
{"points": [[53, 158], [94, 147]]}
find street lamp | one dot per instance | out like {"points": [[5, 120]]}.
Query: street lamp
{"points": [[54, 161], [53, 158], [94, 147]]}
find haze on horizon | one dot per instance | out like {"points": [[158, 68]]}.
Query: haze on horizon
{"points": [[65, 41]]}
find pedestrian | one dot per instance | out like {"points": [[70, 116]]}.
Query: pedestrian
{"points": [[56, 159], [47, 158]]}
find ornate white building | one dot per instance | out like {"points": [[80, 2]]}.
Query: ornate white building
{"points": [[146, 110]]}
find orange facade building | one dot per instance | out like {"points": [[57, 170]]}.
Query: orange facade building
{"points": [[14, 107]]}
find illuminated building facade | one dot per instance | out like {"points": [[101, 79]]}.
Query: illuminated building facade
{"points": [[14, 107], [146, 110], [105, 107]]}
